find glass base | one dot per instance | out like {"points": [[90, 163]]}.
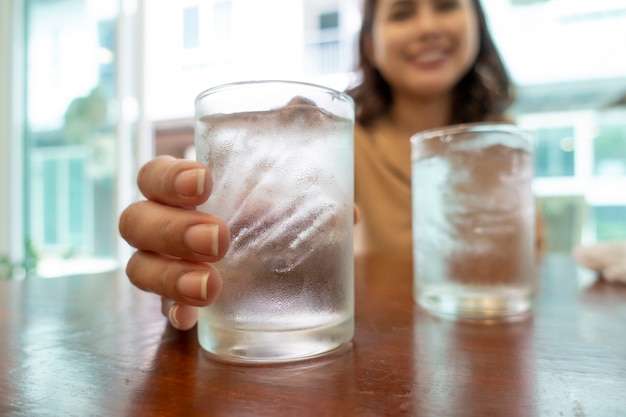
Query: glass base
{"points": [[476, 303], [268, 347]]}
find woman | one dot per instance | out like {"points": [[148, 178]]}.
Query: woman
{"points": [[424, 64]]}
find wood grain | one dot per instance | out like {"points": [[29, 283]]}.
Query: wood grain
{"points": [[97, 346]]}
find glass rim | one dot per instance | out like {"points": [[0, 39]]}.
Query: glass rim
{"points": [[238, 84], [477, 127]]}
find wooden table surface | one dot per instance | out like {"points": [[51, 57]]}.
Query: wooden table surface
{"points": [[96, 346]]}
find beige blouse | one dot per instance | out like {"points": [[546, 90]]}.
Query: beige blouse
{"points": [[382, 191]]}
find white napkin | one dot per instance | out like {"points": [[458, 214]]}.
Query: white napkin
{"points": [[607, 258]]}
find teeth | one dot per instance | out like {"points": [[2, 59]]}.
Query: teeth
{"points": [[429, 56]]}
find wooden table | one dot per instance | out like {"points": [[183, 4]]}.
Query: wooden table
{"points": [[96, 346]]}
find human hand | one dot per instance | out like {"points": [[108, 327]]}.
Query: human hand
{"points": [[606, 258], [175, 243]]}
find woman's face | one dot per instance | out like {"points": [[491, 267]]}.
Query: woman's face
{"points": [[424, 47]]}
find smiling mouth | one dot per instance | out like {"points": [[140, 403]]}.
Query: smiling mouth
{"points": [[430, 56]]}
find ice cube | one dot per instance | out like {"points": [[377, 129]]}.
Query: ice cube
{"points": [[300, 109], [284, 233], [314, 226]]}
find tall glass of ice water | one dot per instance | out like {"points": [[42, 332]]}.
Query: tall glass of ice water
{"points": [[281, 158], [473, 221]]}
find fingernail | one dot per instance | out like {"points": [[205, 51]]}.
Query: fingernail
{"points": [[203, 239], [190, 183], [171, 315], [194, 285]]}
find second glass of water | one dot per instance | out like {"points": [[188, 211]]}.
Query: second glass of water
{"points": [[473, 221]]}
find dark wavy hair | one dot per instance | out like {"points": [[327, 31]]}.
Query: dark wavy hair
{"points": [[483, 94]]}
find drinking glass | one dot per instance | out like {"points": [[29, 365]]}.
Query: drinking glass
{"points": [[473, 221], [281, 158]]}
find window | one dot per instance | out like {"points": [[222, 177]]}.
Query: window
{"points": [[190, 27], [222, 20], [325, 44], [206, 33], [75, 121], [329, 20], [554, 152], [527, 2], [609, 149], [610, 222]]}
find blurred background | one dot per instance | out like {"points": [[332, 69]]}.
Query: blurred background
{"points": [[92, 89]]}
